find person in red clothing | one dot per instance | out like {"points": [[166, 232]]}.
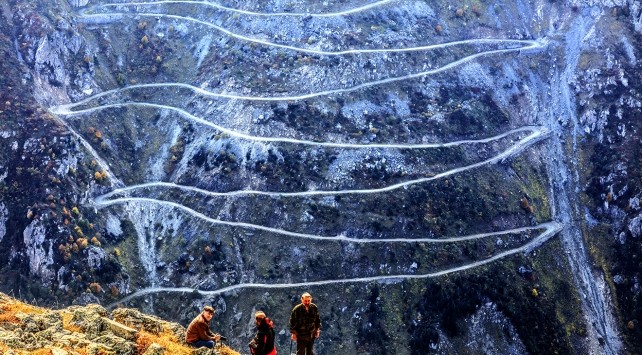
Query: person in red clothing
{"points": [[198, 332], [263, 342]]}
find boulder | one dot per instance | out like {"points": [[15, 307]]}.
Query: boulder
{"points": [[116, 344], [120, 330], [635, 226], [154, 349], [89, 319], [138, 320]]}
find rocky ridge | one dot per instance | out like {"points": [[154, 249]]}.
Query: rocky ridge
{"points": [[90, 329]]}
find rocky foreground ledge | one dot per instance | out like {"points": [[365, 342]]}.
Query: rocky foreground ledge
{"points": [[27, 329]]}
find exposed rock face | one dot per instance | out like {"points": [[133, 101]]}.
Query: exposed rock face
{"points": [[491, 332], [636, 10], [635, 227], [39, 251], [95, 257], [78, 3], [46, 58], [4, 216]]}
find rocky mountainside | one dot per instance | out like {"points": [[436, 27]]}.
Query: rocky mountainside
{"points": [[443, 177], [27, 329]]}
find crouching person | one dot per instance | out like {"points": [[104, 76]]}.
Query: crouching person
{"points": [[198, 332], [263, 342]]}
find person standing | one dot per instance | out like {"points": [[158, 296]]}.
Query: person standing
{"points": [[198, 332], [263, 342], [305, 325]]}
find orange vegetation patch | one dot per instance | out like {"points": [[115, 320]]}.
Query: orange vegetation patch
{"points": [[15, 307], [66, 322], [224, 350], [10, 308], [42, 352], [172, 345], [165, 339], [9, 318], [4, 348]]}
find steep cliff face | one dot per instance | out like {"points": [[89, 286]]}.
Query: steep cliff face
{"points": [[609, 175], [439, 176]]}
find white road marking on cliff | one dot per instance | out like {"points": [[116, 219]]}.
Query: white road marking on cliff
{"points": [[551, 228], [64, 109], [537, 134], [252, 226], [339, 238], [529, 43], [252, 13], [67, 109]]}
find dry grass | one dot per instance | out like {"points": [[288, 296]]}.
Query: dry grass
{"points": [[66, 322], [143, 341], [227, 351], [9, 318], [172, 346], [42, 352], [9, 309], [3, 348], [12, 307], [165, 339]]}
